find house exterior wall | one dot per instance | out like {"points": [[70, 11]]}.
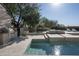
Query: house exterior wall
{"points": [[5, 21]]}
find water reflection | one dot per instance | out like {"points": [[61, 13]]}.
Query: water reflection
{"points": [[57, 50], [46, 48]]}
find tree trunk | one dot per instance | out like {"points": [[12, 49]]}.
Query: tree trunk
{"points": [[18, 31]]}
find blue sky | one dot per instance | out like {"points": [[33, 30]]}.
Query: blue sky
{"points": [[67, 14]]}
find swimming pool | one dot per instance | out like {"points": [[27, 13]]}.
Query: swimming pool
{"points": [[39, 47]]}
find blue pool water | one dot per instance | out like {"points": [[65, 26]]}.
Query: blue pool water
{"points": [[46, 48]]}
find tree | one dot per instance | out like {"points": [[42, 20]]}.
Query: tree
{"points": [[14, 10], [48, 23], [22, 14], [61, 27], [32, 15]]}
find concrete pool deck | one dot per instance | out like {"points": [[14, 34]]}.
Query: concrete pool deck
{"points": [[55, 37], [71, 38], [15, 49], [63, 37], [18, 49]]}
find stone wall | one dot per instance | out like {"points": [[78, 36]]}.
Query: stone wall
{"points": [[1, 39]]}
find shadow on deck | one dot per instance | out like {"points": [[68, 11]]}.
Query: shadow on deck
{"points": [[13, 40]]}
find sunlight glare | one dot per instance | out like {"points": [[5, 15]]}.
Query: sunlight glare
{"points": [[57, 50], [56, 4]]}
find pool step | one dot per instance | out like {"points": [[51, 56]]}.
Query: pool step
{"points": [[45, 35]]}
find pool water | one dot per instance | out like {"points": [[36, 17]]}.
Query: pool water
{"points": [[46, 48]]}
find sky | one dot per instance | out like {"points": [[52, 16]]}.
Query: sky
{"points": [[64, 13]]}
